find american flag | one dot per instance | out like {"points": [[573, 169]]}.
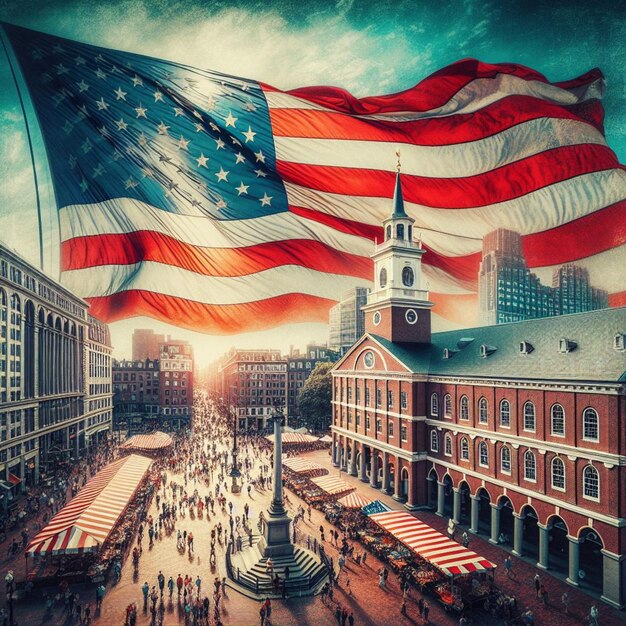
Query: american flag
{"points": [[225, 205]]}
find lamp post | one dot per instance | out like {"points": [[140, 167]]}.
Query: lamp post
{"points": [[234, 473]]}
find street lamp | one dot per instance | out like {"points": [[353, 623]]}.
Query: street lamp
{"points": [[234, 471]]}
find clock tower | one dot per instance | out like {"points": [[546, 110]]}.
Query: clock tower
{"points": [[398, 308]]}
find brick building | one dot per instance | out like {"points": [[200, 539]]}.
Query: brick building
{"points": [[176, 369], [517, 431]]}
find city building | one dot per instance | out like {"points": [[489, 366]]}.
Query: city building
{"points": [[252, 382], [55, 376], [146, 344], [176, 369], [516, 430], [509, 292], [299, 368], [136, 397], [346, 320]]}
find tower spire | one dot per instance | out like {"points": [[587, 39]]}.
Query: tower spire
{"points": [[398, 200]]}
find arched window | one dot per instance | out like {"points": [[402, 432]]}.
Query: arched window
{"points": [[448, 445], [464, 408], [400, 231], [558, 473], [505, 413], [505, 460], [530, 466], [383, 278], [590, 425], [557, 419], [434, 405], [434, 441], [483, 454], [591, 483], [464, 449], [389, 231], [408, 276], [529, 416], [483, 411], [447, 405]]}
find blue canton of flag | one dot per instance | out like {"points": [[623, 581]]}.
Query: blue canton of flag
{"points": [[117, 124]]}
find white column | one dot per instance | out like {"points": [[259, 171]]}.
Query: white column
{"points": [[353, 471], [363, 468], [374, 469], [614, 579], [335, 453], [495, 523], [475, 503], [574, 561], [518, 534], [544, 541], [385, 485], [441, 498], [456, 505]]}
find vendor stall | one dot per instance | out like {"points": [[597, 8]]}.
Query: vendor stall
{"points": [[89, 523], [354, 500], [291, 439], [152, 442], [332, 485], [304, 467]]}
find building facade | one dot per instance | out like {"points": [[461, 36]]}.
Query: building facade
{"points": [[509, 292], [517, 431], [176, 370], [55, 376], [146, 344], [136, 395], [346, 320]]}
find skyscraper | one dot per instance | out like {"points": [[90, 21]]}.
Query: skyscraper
{"points": [[146, 344], [346, 320], [509, 292]]}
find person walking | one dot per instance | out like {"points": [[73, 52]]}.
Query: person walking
{"points": [[543, 594], [145, 589], [537, 581], [268, 609], [565, 602], [594, 615], [507, 565], [426, 611], [420, 607], [161, 580], [262, 614], [170, 586]]}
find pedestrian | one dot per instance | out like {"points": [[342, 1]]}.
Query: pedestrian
{"points": [[403, 606], [161, 580], [543, 594], [179, 584], [145, 589], [100, 591], [170, 586], [364, 558], [344, 616], [537, 581], [262, 613], [465, 539], [268, 609], [594, 615], [348, 588], [507, 565], [565, 601], [420, 607], [426, 611], [351, 619], [338, 615]]}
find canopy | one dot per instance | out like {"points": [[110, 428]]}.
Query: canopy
{"points": [[326, 439], [151, 442], [305, 467], [332, 485], [294, 438], [448, 556], [86, 522], [354, 500]]}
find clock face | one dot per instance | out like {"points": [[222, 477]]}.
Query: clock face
{"points": [[410, 316], [369, 359], [376, 318]]}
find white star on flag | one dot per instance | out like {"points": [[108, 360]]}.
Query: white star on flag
{"points": [[266, 200], [222, 175]]}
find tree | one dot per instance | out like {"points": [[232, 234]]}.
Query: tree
{"points": [[314, 401]]}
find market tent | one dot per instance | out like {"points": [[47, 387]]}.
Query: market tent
{"points": [[332, 485], [326, 439], [293, 438], [150, 442], [86, 522], [448, 556], [304, 467], [354, 500]]}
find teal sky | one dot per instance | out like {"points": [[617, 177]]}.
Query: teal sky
{"points": [[368, 48]]}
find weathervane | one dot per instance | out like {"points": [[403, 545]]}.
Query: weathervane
{"points": [[398, 166]]}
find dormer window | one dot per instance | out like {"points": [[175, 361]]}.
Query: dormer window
{"points": [[525, 347], [619, 341], [567, 345], [486, 350]]}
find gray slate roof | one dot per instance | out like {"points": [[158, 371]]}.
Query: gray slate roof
{"points": [[593, 359]]}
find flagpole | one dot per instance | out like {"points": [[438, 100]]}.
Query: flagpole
{"points": [[30, 146]]}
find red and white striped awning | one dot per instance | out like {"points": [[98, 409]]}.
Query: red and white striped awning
{"points": [[293, 438], [86, 522], [149, 442], [304, 466], [332, 485], [354, 500], [446, 555]]}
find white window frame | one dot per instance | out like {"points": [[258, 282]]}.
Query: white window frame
{"points": [[464, 408], [482, 447], [447, 444], [404, 402], [464, 449], [528, 403], [597, 473], [390, 429], [404, 432], [597, 426], [483, 402], [527, 455], [434, 405], [508, 413], [552, 418], [434, 441], [556, 460], [447, 406], [502, 461]]}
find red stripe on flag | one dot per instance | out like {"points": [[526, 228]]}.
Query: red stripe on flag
{"points": [[135, 247], [226, 319]]}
